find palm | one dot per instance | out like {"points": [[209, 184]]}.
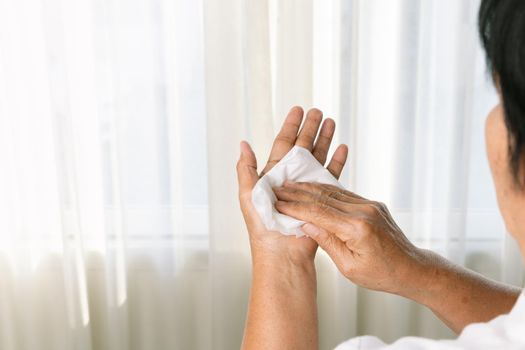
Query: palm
{"points": [[308, 136]]}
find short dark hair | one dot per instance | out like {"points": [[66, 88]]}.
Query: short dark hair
{"points": [[501, 25]]}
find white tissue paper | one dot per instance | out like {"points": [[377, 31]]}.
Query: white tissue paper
{"points": [[298, 165]]}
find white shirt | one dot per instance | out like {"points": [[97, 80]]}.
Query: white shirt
{"points": [[504, 332]]}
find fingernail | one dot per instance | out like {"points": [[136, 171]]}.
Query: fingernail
{"points": [[288, 183], [277, 188], [311, 230]]}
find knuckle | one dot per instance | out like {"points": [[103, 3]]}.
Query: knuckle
{"points": [[294, 192], [369, 209], [323, 205], [313, 211], [384, 208], [309, 187], [285, 138], [375, 208], [335, 194], [319, 209], [322, 141], [323, 192], [361, 225], [318, 200], [289, 190], [308, 137], [298, 184], [380, 205]]}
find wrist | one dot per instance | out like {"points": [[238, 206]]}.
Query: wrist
{"points": [[288, 275], [426, 278], [281, 257], [282, 252]]}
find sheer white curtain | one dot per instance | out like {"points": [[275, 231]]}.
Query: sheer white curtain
{"points": [[119, 130]]}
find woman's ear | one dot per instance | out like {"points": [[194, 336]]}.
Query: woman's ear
{"points": [[496, 138], [511, 199]]}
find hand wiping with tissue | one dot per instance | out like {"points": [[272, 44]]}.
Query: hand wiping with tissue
{"points": [[302, 163], [299, 165]]}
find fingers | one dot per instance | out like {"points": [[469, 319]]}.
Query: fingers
{"points": [[288, 194], [285, 140], [319, 214], [246, 169], [336, 165], [326, 190], [309, 130], [324, 139], [288, 137], [336, 248]]}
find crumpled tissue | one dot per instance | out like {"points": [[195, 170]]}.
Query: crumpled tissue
{"points": [[298, 165]]}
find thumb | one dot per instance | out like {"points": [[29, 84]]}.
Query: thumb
{"points": [[331, 244], [246, 169]]}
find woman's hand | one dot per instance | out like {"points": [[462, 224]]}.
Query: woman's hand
{"points": [[359, 235], [371, 250], [282, 312], [262, 241]]}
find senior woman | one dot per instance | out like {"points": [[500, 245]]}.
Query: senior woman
{"points": [[364, 241]]}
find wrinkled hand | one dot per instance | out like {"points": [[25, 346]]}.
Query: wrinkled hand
{"points": [[359, 235], [262, 241]]}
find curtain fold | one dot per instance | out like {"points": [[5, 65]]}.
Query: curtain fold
{"points": [[120, 124]]}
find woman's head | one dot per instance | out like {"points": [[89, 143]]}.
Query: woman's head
{"points": [[502, 32]]}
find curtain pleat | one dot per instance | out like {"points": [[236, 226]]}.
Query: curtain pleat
{"points": [[226, 91]]}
